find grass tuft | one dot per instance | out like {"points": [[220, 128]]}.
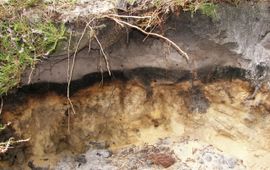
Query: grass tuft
{"points": [[21, 45], [208, 9]]}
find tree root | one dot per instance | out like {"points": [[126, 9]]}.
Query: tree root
{"points": [[124, 23]]}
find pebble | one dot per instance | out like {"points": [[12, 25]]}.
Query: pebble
{"points": [[104, 153]]}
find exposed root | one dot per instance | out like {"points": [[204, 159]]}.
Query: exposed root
{"points": [[68, 121], [130, 16], [101, 71], [68, 87], [30, 75], [102, 51], [4, 146], [255, 92], [69, 77], [154, 27], [124, 23], [104, 55], [71, 70]]}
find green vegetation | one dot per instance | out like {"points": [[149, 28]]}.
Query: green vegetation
{"points": [[131, 1], [22, 43], [25, 3], [206, 8]]}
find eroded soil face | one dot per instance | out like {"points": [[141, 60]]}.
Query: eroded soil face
{"points": [[119, 114]]}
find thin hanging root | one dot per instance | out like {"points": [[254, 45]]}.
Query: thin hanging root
{"points": [[123, 23], [101, 71], [102, 51], [69, 77], [255, 92], [130, 16], [30, 75], [68, 121], [68, 87], [71, 70], [104, 55]]}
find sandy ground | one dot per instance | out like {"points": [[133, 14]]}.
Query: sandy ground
{"points": [[184, 154]]}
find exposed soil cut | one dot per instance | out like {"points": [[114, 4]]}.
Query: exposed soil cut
{"points": [[156, 110], [121, 113]]}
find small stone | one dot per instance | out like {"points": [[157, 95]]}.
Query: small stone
{"points": [[163, 159], [104, 153]]}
